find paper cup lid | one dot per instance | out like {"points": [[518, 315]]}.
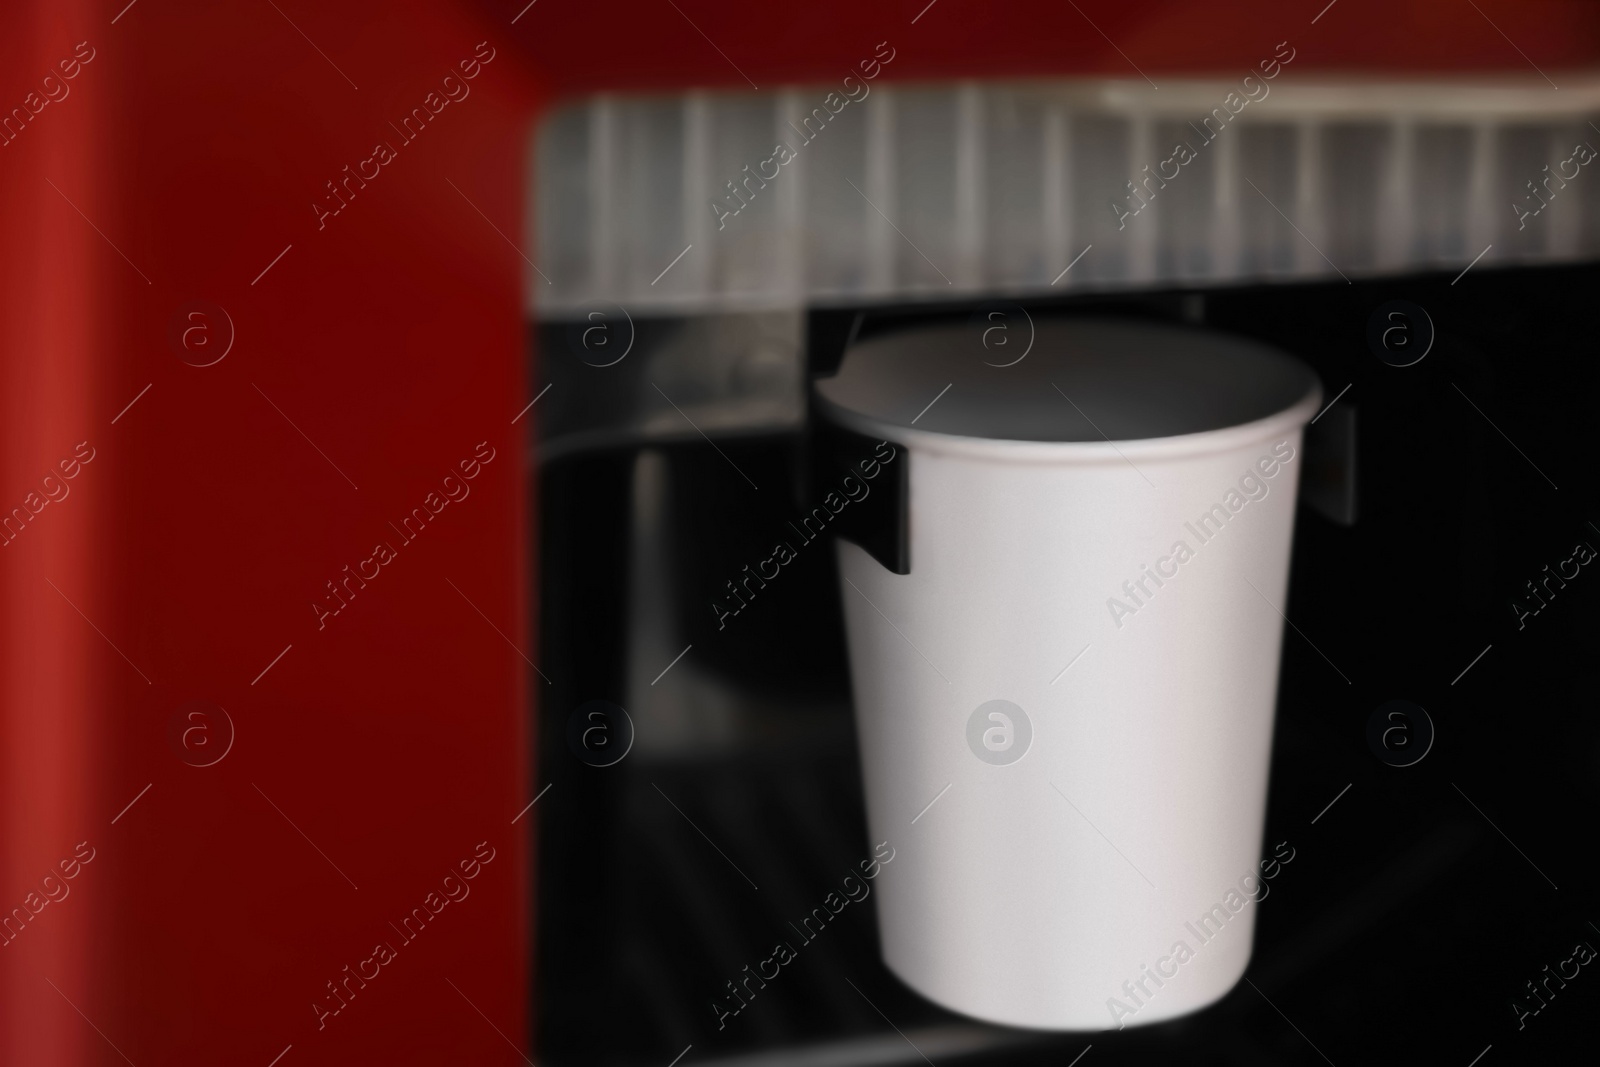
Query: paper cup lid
{"points": [[1084, 387]]}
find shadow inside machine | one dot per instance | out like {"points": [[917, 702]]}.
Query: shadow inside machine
{"points": [[666, 877]]}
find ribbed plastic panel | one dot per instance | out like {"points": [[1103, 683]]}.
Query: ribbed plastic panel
{"points": [[961, 188]]}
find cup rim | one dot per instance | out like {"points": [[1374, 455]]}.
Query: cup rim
{"points": [[1290, 419]]}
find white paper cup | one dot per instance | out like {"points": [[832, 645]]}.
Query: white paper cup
{"points": [[1045, 857]]}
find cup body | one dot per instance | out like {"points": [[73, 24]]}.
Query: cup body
{"points": [[1123, 603]]}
